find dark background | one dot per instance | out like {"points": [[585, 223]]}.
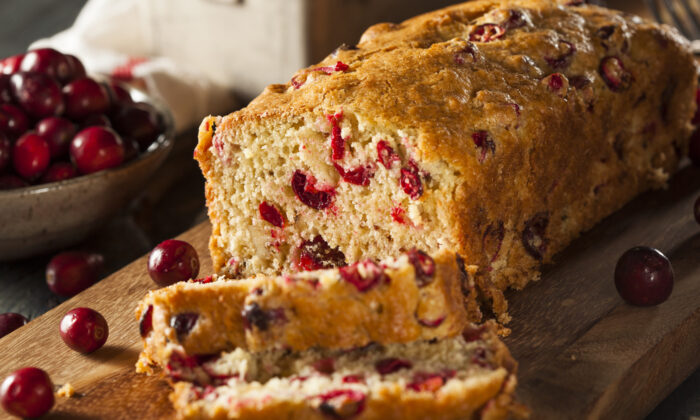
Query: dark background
{"points": [[172, 203]]}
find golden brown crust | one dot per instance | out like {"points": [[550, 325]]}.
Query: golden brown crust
{"points": [[310, 309], [561, 159]]}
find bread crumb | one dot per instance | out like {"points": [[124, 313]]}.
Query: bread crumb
{"points": [[66, 391], [573, 357]]}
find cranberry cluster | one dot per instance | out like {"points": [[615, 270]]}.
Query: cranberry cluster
{"points": [[57, 123]]}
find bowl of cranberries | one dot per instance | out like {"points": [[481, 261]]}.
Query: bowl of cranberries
{"points": [[74, 150]]}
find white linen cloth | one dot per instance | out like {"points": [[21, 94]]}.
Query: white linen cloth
{"points": [[115, 38]]}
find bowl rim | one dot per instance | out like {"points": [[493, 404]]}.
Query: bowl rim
{"points": [[163, 142]]}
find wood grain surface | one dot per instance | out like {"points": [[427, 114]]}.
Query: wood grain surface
{"points": [[583, 352]]}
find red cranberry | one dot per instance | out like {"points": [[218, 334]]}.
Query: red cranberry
{"points": [[325, 366], [31, 156], [77, 70], [59, 171], [432, 323], [473, 333], [131, 149], [614, 74], [173, 261], [605, 32], [13, 121], [95, 149], [255, 316], [358, 176], [5, 152], [644, 276], [484, 144], [533, 236], [391, 365], [564, 59], [36, 93], [183, 324], [557, 83], [270, 214], [138, 121], [386, 154], [49, 62], [10, 321], [424, 266], [10, 65], [317, 254], [71, 272], [337, 141], [694, 148], [118, 93], [96, 120], [304, 188], [363, 275], [146, 321], [27, 393], [84, 97], [410, 181], [58, 132], [342, 403], [486, 32], [339, 66], [427, 382], [353, 379], [11, 182], [5, 91], [84, 330], [697, 210]]}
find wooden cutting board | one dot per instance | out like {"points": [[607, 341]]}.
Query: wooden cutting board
{"points": [[583, 353]]}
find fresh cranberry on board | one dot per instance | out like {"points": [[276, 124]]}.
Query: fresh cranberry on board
{"points": [[49, 62], [84, 97], [644, 276], [38, 94], [71, 272], [27, 393], [95, 149], [31, 156], [10, 321], [173, 261], [58, 133], [84, 330], [13, 121]]}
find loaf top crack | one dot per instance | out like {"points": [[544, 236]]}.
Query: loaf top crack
{"points": [[498, 129]]}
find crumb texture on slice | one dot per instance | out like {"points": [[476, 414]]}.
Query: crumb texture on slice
{"points": [[455, 378], [411, 297], [497, 129]]}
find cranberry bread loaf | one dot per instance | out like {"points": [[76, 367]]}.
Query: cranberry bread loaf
{"points": [[467, 376], [497, 129], [404, 299]]}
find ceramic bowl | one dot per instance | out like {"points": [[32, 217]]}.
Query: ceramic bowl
{"points": [[56, 215]]}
